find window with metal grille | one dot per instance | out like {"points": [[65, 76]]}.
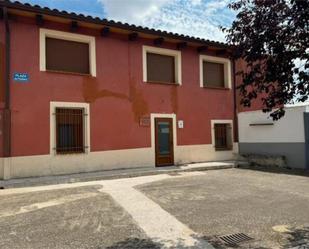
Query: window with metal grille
{"points": [[69, 130], [213, 74], [223, 136], [160, 68], [67, 56]]}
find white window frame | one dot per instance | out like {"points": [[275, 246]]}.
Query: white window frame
{"points": [[221, 121], [163, 51], [68, 37], [52, 116], [227, 69]]}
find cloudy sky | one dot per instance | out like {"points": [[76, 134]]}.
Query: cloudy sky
{"points": [[200, 18]]}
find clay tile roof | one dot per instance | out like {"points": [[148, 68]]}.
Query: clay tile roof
{"points": [[105, 22]]}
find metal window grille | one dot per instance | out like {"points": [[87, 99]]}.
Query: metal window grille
{"points": [[222, 136], [70, 137]]}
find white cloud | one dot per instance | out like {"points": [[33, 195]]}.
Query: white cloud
{"points": [[214, 6], [132, 11], [196, 2], [200, 18]]}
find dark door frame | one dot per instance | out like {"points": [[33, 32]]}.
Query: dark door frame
{"points": [[171, 121]]}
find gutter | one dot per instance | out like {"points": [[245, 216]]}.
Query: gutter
{"points": [[7, 94], [235, 103]]}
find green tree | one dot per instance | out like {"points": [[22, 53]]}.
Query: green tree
{"points": [[272, 36]]}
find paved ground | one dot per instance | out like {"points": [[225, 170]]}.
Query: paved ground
{"points": [[180, 210], [68, 218], [261, 205]]}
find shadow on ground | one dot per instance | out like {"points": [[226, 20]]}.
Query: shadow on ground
{"points": [[297, 238], [135, 243], [274, 169]]}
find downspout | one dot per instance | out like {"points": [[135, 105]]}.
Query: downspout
{"points": [[235, 103], [7, 97]]}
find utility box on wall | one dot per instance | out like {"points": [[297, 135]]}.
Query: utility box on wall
{"points": [[180, 124]]}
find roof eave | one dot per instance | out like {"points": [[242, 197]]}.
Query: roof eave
{"points": [[104, 22]]}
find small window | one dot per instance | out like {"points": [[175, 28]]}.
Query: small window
{"points": [[161, 65], [69, 130], [215, 72], [160, 68], [223, 136], [67, 56]]}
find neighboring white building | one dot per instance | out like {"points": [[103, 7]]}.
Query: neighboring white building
{"points": [[289, 136]]}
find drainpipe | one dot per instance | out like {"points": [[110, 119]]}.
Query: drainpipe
{"points": [[235, 103], [7, 100]]}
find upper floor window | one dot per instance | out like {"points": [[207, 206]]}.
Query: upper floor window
{"points": [[161, 65], [67, 52], [215, 72], [67, 56]]}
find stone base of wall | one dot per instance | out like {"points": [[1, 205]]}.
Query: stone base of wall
{"points": [[292, 155], [44, 165], [265, 160]]}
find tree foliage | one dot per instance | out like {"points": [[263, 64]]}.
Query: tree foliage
{"points": [[272, 36]]}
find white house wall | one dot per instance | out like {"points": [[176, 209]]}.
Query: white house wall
{"points": [[285, 137]]}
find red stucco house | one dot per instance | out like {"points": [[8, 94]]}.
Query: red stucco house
{"points": [[83, 94]]}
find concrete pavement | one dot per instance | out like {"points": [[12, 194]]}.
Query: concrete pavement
{"points": [[75, 220], [239, 201], [175, 210], [95, 221]]}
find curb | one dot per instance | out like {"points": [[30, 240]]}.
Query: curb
{"points": [[85, 177]]}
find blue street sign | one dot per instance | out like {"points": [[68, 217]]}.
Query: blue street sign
{"points": [[21, 77]]}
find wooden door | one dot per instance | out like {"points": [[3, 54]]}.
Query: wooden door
{"points": [[164, 141]]}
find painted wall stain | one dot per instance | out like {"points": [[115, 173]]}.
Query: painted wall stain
{"points": [[174, 99], [139, 104], [92, 93], [135, 97]]}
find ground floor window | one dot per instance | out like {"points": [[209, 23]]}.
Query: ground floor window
{"points": [[70, 130], [223, 136]]}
